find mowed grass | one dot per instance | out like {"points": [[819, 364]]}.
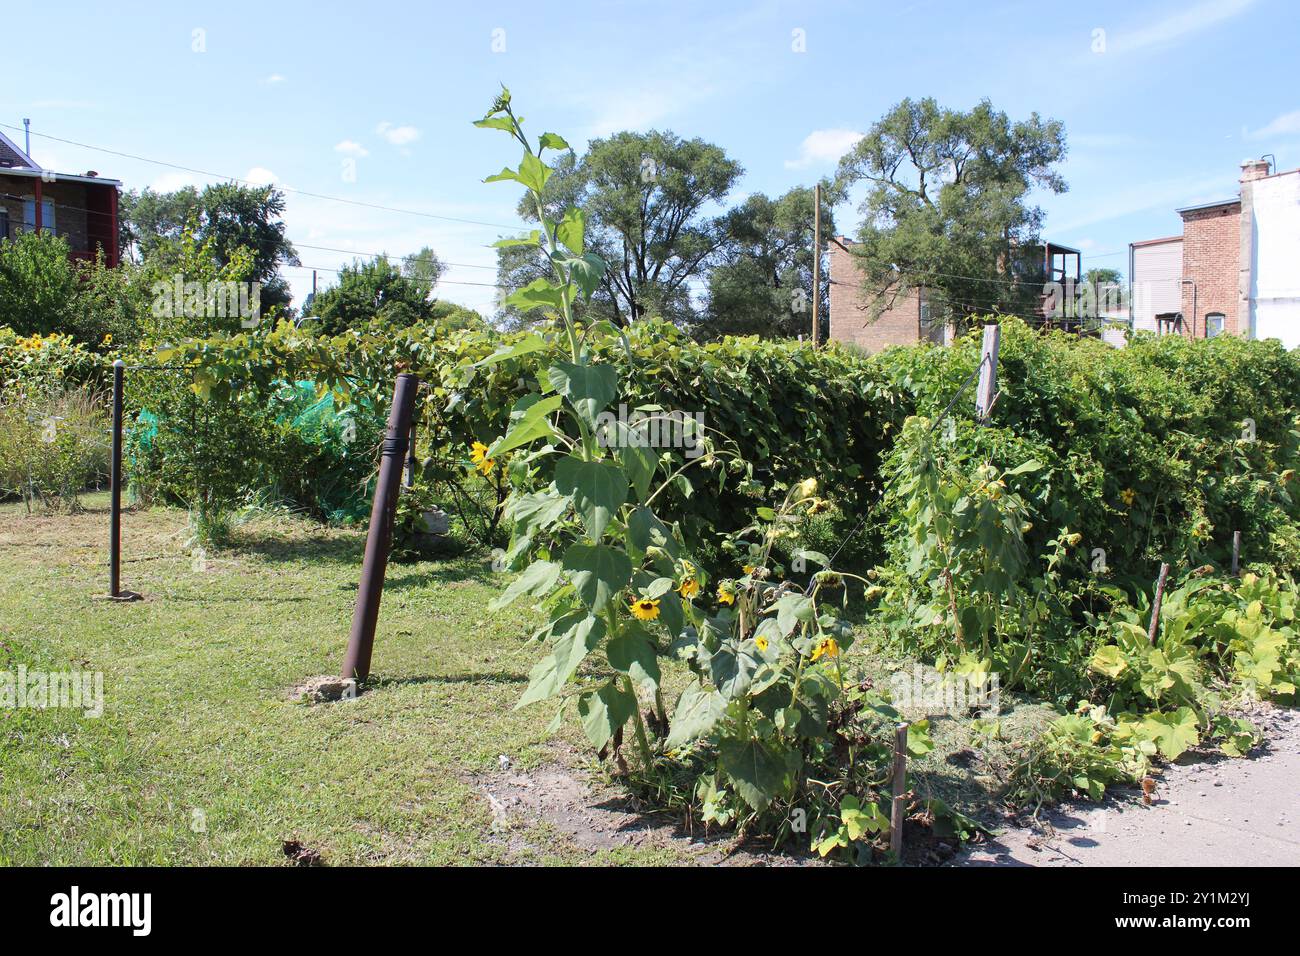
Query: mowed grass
{"points": [[197, 715]]}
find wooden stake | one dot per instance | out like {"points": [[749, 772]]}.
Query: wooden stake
{"points": [[817, 265], [1155, 607], [900, 789], [988, 386], [1236, 552]]}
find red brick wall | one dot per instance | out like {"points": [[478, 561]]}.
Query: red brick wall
{"points": [[850, 319], [1211, 258]]}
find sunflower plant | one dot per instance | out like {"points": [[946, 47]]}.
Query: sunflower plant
{"points": [[618, 578], [615, 578]]}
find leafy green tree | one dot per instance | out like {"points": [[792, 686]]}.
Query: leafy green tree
{"points": [[230, 215], [763, 283], [947, 205], [423, 270], [644, 197], [369, 290], [38, 283]]}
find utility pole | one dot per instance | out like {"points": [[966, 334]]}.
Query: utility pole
{"points": [[817, 264]]}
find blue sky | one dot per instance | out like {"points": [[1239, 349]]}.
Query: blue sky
{"points": [[1159, 118]]}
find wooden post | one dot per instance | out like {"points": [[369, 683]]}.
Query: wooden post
{"points": [[817, 265], [1159, 599], [1236, 552], [899, 789], [988, 386]]}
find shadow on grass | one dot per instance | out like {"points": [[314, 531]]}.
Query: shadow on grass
{"points": [[333, 550], [402, 577], [482, 677]]}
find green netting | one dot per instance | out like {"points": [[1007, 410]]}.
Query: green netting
{"points": [[337, 432]]}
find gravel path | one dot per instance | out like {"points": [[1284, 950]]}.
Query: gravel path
{"points": [[1208, 810]]}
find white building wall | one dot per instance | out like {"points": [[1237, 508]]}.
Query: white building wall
{"points": [[1157, 281], [1275, 272]]}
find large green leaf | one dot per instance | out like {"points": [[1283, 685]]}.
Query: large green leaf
{"points": [[732, 668], [589, 388], [1109, 660], [604, 711], [581, 635], [699, 708], [571, 231], [1173, 733], [644, 531], [532, 424], [598, 490], [533, 173], [538, 510], [633, 653], [758, 771], [638, 459], [791, 610], [529, 343], [552, 141], [537, 579], [598, 571], [537, 294]]}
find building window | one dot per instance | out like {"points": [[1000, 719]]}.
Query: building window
{"points": [[47, 215], [1213, 324], [4, 224]]}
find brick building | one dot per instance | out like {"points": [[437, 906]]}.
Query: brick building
{"points": [[80, 208], [907, 317], [1233, 268]]}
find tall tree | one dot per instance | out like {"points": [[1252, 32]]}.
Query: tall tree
{"points": [[947, 205], [231, 215], [369, 290], [762, 283], [645, 197]]}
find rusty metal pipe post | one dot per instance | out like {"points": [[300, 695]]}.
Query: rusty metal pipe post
{"points": [[356, 663], [115, 481]]}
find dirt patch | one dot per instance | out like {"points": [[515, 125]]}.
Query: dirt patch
{"points": [[596, 816], [329, 687]]}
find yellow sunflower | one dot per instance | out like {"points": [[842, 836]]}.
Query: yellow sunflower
{"points": [[748, 569], [690, 587], [478, 455], [726, 596], [827, 647], [761, 644], [645, 609], [1127, 496]]}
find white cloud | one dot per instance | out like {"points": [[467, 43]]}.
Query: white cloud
{"points": [[273, 79], [823, 146], [170, 182], [351, 148], [261, 176], [1178, 25], [1283, 125], [397, 135]]}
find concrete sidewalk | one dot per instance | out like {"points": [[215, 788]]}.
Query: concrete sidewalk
{"points": [[1208, 811]]}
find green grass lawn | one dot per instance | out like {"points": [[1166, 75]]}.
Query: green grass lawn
{"points": [[197, 715]]}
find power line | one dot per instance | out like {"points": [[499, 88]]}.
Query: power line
{"points": [[286, 189]]}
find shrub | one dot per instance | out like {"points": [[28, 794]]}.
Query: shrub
{"points": [[53, 445]]}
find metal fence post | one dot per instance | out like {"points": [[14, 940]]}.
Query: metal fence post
{"points": [[356, 663], [115, 479]]}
